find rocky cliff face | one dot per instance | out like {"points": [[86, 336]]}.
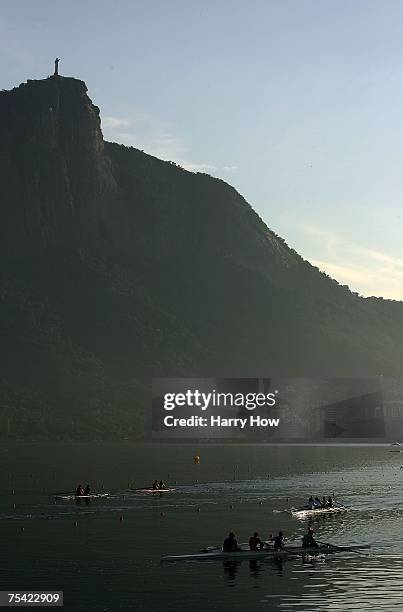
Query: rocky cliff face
{"points": [[56, 178], [116, 266], [61, 190]]}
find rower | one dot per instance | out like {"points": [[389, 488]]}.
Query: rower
{"points": [[230, 543], [308, 540], [324, 502], [278, 541], [155, 484], [255, 541], [87, 490], [317, 502], [161, 484], [79, 491], [330, 502], [311, 502]]}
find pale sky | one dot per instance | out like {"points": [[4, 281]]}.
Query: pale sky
{"points": [[298, 104]]}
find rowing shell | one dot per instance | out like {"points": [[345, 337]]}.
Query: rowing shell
{"points": [[290, 551], [303, 512], [167, 490], [91, 496]]}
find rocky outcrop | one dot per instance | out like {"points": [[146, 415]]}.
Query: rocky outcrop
{"points": [[56, 180]]}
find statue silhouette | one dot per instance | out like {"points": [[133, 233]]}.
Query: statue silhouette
{"points": [[56, 72]]}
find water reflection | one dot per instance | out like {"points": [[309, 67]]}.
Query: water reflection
{"points": [[359, 584], [78, 501], [255, 568], [279, 566], [230, 571]]}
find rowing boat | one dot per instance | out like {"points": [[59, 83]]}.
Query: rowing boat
{"points": [[288, 552], [70, 497], [166, 490], [309, 511]]}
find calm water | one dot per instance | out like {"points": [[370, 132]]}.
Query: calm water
{"points": [[110, 560]]}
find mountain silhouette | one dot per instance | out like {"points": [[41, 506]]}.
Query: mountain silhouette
{"points": [[117, 267]]}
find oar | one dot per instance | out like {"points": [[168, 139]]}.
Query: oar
{"points": [[295, 553], [285, 548], [339, 505], [346, 548], [213, 548], [241, 545]]}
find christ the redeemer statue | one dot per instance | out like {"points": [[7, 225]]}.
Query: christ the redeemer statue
{"points": [[56, 72]]}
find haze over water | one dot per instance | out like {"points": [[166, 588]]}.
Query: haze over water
{"points": [[105, 563]]}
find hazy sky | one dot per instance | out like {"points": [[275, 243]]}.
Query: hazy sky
{"points": [[298, 104]]}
